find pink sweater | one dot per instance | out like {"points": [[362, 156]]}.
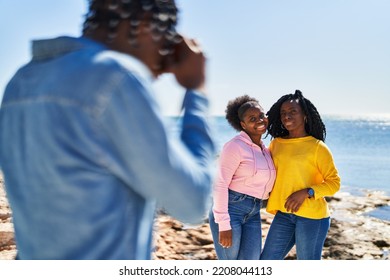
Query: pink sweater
{"points": [[245, 168]]}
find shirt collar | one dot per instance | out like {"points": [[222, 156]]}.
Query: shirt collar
{"points": [[245, 137], [50, 48]]}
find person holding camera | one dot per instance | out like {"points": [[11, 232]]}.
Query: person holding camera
{"points": [[84, 150]]}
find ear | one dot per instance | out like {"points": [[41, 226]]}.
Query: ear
{"points": [[243, 125]]}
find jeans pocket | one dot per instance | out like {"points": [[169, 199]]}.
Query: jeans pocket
{"points": [[235, 197]]}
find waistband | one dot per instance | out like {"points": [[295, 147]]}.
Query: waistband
{"points": [[246, 196]]}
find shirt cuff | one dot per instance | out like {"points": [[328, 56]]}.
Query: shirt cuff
{"points": [[225, 225], [195, 100]]}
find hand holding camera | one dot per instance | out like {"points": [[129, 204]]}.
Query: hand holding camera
{"points": [[188, 65]]}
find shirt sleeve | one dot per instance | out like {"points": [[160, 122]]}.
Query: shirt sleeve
{"points": [[228, 163], [331, 179], [156, 165]]}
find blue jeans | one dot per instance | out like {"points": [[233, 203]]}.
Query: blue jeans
{"points": [[288, 230], [244, 212]]}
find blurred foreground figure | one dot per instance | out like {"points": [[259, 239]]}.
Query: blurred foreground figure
{"points": [[83, 148]]}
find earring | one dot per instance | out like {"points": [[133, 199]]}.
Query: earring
{"points": [[282, 126]]}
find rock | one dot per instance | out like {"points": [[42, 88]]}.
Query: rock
{"points": [[353, 233], [7, 241]]}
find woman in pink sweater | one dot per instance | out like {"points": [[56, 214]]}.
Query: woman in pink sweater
{"points": [[246, 175]]}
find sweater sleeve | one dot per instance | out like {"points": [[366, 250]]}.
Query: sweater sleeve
{"points": [[140, 151], [228, 163], [331, 179]]}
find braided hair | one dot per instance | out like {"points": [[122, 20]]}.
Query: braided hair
{"points": [[109, 13], [237, 107], [314, 125]]}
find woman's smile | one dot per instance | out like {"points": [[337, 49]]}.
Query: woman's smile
{"points": [[261, 127]]}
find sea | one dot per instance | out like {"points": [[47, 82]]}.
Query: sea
{"points": [[360, 146]]}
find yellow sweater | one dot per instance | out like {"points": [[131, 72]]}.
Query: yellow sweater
{"points": [[302, 163]]}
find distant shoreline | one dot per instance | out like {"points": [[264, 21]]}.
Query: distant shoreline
{"points": [[371, 116]]}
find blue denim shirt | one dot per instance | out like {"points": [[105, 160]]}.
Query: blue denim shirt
{"points": [[86, 156]]}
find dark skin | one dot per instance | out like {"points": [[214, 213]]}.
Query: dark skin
{"points": [[293, 119], [254, 123]]}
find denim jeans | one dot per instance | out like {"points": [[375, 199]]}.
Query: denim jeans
{"points": [[288, 230], [244, 212]]}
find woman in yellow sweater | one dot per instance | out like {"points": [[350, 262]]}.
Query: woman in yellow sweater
{"points": [[306, 174]]}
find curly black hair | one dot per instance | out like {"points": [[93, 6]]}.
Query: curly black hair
{"points": [[236, 108], [109, 13], [314, 125]]}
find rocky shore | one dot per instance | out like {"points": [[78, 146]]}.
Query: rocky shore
{"points": [[353, 235]]}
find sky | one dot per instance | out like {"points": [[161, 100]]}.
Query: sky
{"points": [[337, 52]]}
